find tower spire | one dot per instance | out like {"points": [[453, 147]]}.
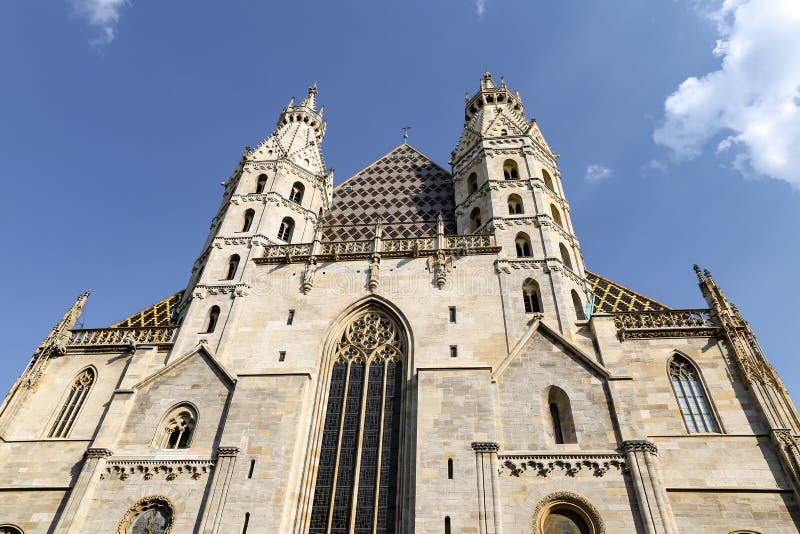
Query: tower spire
{"points": [[310, 101]]}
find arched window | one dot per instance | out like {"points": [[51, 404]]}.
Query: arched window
{"points": [[261, 184], [233, 265], [248, 219], [10, 529], [560, 412], [213, 317], [475, 219], [548, 181], [151, 514], [523, 245], [515, 205], [367, 370], [576, 302], [565, 255], [177, 428], [556, 215], [692, 400], [510, 170], [286, 229], [297, 192], [564, 512], [447, 527], [530, 297], [76, 397], [472, 183]]}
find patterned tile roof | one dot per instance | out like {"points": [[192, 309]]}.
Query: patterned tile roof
{"points": [[612, 297], [404, 188], [159, 314]]}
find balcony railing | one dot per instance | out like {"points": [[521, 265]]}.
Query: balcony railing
{"points": [[121, 336], [666, 323]]}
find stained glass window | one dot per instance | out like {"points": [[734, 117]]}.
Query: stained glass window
{"points": [[691, 396], [356, 487]]}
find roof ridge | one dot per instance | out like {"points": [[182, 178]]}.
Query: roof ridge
{"points": [[388, 153]]}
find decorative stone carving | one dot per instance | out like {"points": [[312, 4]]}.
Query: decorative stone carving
{"points": [[227, 451], [153, 514], [639, 445], [148, 469], [485, 446], [98, 453], [570, 465]]}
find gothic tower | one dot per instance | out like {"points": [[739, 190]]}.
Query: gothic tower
{"points": [[277, 194], [507, 183]]}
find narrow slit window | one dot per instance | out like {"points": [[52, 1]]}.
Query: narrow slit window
{"points": [[453, 351], [447, 527], [261, 184], [290, 318], [233, 266], [282, 356], [555, 418], [246, 522], [452, 314], [450, 469], [252, 467], [248, 220], [211, 322]]}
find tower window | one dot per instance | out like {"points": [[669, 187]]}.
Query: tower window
{"points": [[261, 184], [523, 245], [515, 205], [556, 215], [233, 265], [213, 317], [252, 467], [510, 170], [565, 255], [447, 527], [452, 310], [560, 411], [548, 181], [576, 302], [472, 183], [290, 318], [282, 356], [246, 522], [177, 428], [530, 297], [453, 351], [689, 390], [286, 229], [76, 397], [248, 220], [450, 468], [475, 219], [296, 194]]}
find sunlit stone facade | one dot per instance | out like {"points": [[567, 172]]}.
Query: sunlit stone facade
{"points": [[416, 350]]}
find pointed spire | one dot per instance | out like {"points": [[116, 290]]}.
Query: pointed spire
{"points": [[59, 335], [487, 82], [291, 103], [310, 101]]}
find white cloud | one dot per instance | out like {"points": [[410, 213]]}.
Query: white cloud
{"points": [[596, 173], [480, 7], [100, 14], [753, 99]]}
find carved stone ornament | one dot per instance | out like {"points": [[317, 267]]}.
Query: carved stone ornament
{"points": [[167, 469], [227, 451], [569, 500], [97, 453], [639, 445], [153, 515], [485, 446], [542, 465]]}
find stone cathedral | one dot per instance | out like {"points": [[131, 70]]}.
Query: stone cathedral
{"points": [[415, 350]]}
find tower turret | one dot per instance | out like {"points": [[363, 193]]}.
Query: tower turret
{"points": [[507, 182], [277, 194]]}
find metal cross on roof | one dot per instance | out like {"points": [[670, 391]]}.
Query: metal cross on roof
{"points": [[405, 134]]}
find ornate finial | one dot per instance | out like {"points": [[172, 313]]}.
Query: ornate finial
{"points": [[699, 273], [405, 134], [503, 82], [321, 111], [466, 97], [487, 82], [310, 100], [291, 103]]}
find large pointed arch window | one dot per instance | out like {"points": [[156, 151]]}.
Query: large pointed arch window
{"points": [[76, 396], [692, 400], [356, 487]]}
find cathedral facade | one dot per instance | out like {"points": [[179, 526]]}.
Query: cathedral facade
{"points": [[415, 350]]}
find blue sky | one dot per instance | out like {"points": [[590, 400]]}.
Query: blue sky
{"points": [[677, 123]]}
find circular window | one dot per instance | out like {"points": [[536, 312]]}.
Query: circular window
{"points": [[151, 515]]}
